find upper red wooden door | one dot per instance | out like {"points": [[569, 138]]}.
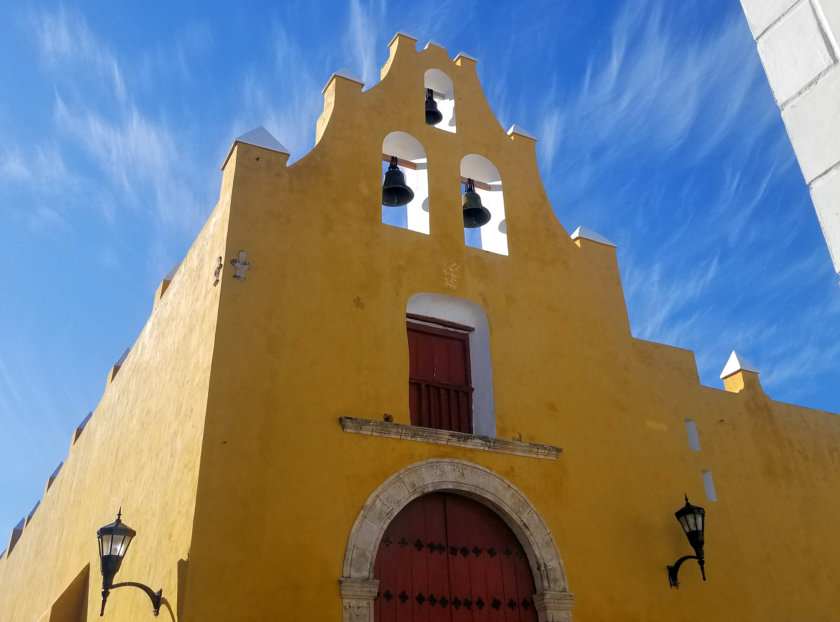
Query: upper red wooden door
{"points": [[440, 389], [446, 558]]}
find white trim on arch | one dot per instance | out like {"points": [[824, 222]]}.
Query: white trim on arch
{"points": [[358, 587]]}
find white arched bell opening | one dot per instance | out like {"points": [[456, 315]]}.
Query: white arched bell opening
{"points": [[444, 95], [488, 184], [412, 161], [358, 585]]}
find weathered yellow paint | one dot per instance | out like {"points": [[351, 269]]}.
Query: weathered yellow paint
{"points": [[741, 380], [140, 450], [222, 425]]}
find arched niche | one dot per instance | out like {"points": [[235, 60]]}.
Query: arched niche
{"points": [[357, 584], [491, 237], [466, 313], [444, 95], [412, 162]]}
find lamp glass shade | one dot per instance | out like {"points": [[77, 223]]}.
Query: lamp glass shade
{"points": [[113, 544], [688, 522], [692, 519]]}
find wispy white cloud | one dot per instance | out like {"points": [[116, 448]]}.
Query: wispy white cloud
{"points": [[739, 198], [66, 42], [550, 133], [41, 170], [49, 164], [133, 159], [19, 399], [43, 163], [138, 155], [130, 146], [11, 400], [665, 139], [284, 97], [175, 58], [655, 91], [366, 19], [663, 303], [13, 166], [47, 220], [797, 351]]}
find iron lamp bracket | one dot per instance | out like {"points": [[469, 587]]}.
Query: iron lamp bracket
{"points": [[674, 570], [155, 597]]}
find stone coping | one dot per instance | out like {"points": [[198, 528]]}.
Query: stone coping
{"points": [[372, 427]]}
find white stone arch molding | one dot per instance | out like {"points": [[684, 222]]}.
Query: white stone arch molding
{"points": [[358, 587]]}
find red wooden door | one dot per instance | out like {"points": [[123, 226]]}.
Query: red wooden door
{"points": [[440, 389], [446, 558]]}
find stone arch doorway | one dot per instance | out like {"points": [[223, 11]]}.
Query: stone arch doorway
{"points": [[445, 557], [359, 586]]}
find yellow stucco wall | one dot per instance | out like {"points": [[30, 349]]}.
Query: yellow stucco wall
{"points": [[140, 450], [316, 331]]}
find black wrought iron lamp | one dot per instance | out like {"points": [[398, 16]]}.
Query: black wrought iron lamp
{"points": [[113, 544], [693, 521]]}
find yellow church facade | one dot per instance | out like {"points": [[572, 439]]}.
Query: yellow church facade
{"points": [[336, 413]]}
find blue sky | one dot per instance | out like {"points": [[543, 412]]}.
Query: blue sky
{"points": [[656, 128]]}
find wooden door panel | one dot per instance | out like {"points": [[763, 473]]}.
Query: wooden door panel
{"points": [[440, 389], [467, 579], [437, 596], [446, 558]]}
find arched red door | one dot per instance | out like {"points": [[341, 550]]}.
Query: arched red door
{"points": [[446, 558]]}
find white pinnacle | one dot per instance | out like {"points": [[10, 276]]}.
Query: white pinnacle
{"points": [[261, 137], [735, 364], [589, 234]]}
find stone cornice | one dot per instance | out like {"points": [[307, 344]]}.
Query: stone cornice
{"points": [[448, 437]]}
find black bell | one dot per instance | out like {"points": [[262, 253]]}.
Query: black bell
{"points": [[475, 214], [394, 190], [433, 115]]}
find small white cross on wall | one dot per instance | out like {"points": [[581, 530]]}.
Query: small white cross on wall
{"points": [[241, 266]]}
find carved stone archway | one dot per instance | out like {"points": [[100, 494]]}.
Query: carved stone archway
{"points": [[358, 587]]}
